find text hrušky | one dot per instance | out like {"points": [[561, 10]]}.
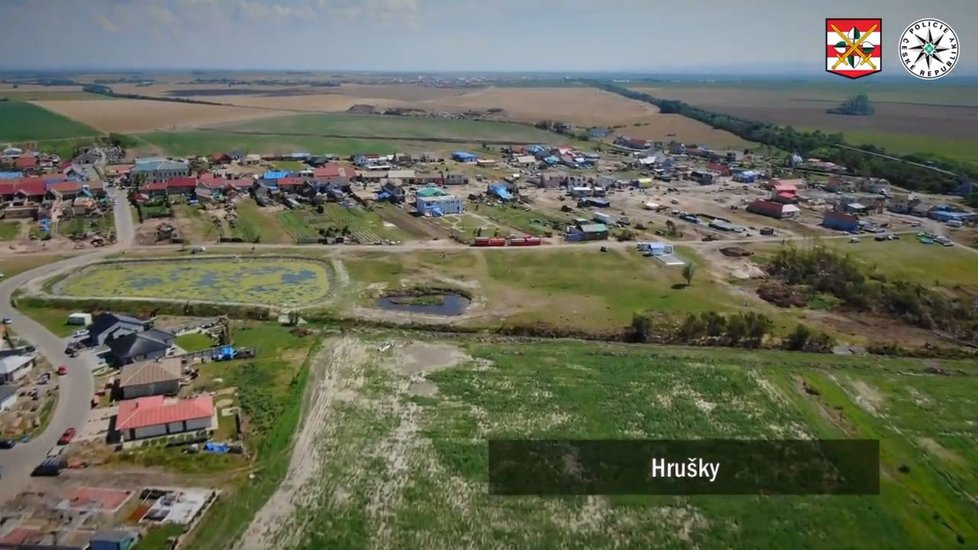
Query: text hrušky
{"points": [[694, 468]]}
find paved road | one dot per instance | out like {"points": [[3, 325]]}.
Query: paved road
{"points": [[77, 387]]}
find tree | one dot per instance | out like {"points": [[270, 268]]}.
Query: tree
{"points": [[688, 271]]}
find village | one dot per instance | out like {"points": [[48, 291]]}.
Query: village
{"points": [[507, 195], [160, 381]]}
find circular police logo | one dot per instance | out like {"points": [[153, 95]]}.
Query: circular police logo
{"points": [[929, 49]]}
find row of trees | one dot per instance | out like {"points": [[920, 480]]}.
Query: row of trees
{"points": [[820, 270], [817, 144]]}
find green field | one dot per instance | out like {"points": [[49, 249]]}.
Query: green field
{"points": [[260, 223], [195, 341], [196, 142], [9, 230], [81, 225], [906, 259], [377, 126], [253, 281], [528, 221], [26, 122], [14, 95], [366, 226], [908, 92], [407, 451], [905, 144], [584, 289]]}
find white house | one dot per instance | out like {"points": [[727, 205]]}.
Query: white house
{"points": [[15, 367], [438, 205]]}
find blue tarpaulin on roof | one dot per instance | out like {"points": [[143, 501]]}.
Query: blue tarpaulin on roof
{"points": [[383, 195], [501, 192], [552, 160], [11, 175], [275, 175]]}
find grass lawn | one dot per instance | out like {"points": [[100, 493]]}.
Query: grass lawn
{"points": [[271, 390], [289, 165], [365, 225], [194, 341], [53, 319], [18, 263], [9, 230], [468, 225], [378, 126], [26, 122], [80, 225], [425, 455], [262, 223], [584, 289], [198, 226], [156, 538], [906, 258], [528, 221]]}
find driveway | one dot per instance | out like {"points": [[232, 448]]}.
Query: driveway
{"points": [[75, 388]]}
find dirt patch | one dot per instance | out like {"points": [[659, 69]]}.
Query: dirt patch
{"points": [[421, 357], [938, 450], [422, 387]]}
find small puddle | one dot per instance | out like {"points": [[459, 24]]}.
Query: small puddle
{"points": [[436, 303]]}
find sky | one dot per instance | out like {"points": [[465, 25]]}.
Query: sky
{"points": [[699, 36]]}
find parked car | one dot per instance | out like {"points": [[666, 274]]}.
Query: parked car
{"points": [[62, 370], [80, 333], [7, 443], [67, 436], [7, 320]]}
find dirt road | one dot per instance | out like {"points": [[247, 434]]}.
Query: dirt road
{"points": [[276, 524]]}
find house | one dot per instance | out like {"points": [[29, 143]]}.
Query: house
{"points": [[746, 176], [250, 160], [609, 182], [719, 168], [221, 158], [576, 180], [181, 186], [598, 133], [8, 397], [855, 208], [274, 174], [438, 205], [335, 173], [140, 346], [155, 416], [773, 209], [588, 232], [631, 143], [15, 367], [784, 192], [405, 177], [428, 178], [112, 540], [840, 221], [597, 202], [26, 162], [153, 377], [499, 191], [552, 179], [430, 191], [463, 156], [702, 177], [392, 193], [87, 158], [525, 160], [454, 178], [108, 326], [159, 170]]}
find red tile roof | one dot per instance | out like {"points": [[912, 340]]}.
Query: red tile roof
{"points": [[31, 187], [181, 183], [26, 161], [334, 170], [153, 411], [241, 183], [7, 187], [155, 186], [787, 195], [212, 181], [291, 181], [785, 187], [65, 186]]}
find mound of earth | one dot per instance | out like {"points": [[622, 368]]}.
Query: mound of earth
{"points": [[781, 295], [735, 252], [361, 109]]}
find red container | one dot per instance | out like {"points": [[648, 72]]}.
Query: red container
{"points": [[497, 242], [481, 241], [532, 241], [517, 242]]}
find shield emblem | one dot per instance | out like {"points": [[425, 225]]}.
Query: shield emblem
{"points": [[853, 47]]}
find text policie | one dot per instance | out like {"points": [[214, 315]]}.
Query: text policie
{"points": [[694, 468]]}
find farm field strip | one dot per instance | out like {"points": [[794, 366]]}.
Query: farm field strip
{"points": [[21, 121]]}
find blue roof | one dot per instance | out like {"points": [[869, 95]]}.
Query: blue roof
{"points": [[551, 160], [11, 175], [274, 175]]}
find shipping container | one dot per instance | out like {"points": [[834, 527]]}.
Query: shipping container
{"points": [[497, 242], [481, 241], [533, 241]]}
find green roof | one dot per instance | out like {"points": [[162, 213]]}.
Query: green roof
{"points": [[431, 192], [594, 228]]}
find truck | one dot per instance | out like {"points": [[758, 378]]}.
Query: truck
{"points": [[50, 466], [606, 219]]}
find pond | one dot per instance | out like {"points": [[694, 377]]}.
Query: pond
{"points": [[435, 303], [272, 281]]}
